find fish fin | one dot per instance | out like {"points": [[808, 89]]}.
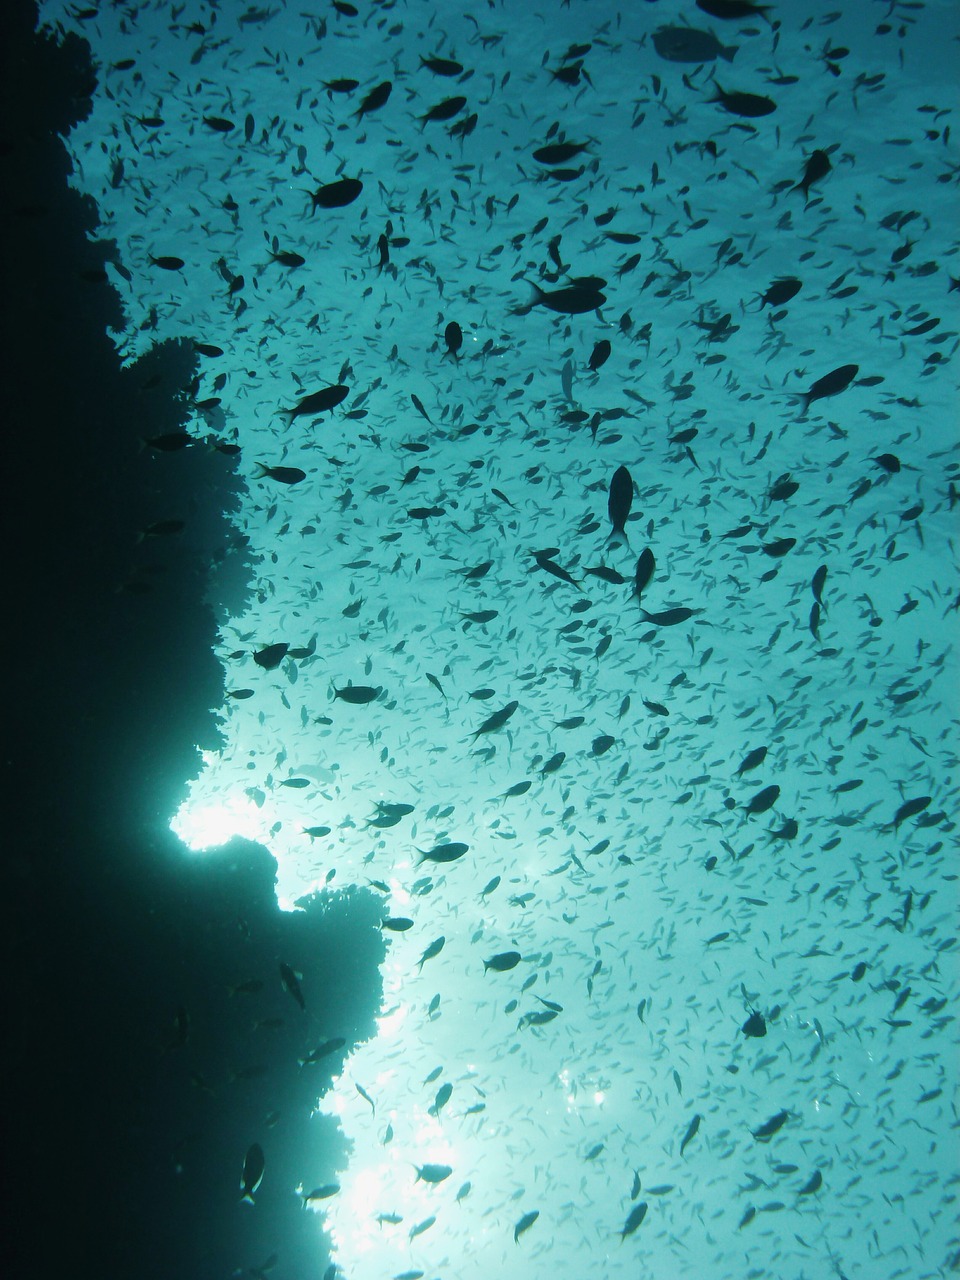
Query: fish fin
{"points": [[729, 51]]}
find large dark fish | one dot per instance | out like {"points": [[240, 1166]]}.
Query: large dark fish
{"points": [[558, 152], [335, 195], [574, 299], [831, 384], [646, 564], [687, 44], [316, 403], [817, 167], [619, 502], [726, 9], [738, 103]]}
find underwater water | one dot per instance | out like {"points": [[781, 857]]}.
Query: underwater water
{"points": [[626, 506]]}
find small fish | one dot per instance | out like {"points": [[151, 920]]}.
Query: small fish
{"points": [[291, 984], [252, 1174], [619, 502], [525, 1223], [503, 962], [431, 952], [771, 1126], [432, 1173], [691, 1132]]}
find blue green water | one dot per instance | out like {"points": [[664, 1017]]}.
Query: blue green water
{"points": [[662, 878]]}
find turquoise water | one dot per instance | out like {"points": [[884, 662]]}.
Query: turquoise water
{"points": [[659, 894]]}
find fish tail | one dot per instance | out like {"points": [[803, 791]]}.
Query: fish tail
{"points": [[288, 416], [729, 51], [618, 538]]}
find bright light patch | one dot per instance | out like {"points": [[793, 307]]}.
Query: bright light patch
{"points": [[206, 826]]}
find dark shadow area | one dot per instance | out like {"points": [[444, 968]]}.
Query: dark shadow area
{"points": [[149, 1039]]}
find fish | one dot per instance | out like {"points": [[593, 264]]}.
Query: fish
{"points": [[431, 952], [358, 695], [780, 292], [752, 760], [813, 1184], [646, 565], [375, 99], [687, 44], [432, 1173], [168, 263], [910, 809], [449, 852], [772, 1126], [669, 617], [497, 720], [524, 1224], [443, 1096], [691, 1132], [550, 566], [599, 355], [727, 9], [763, 800], [291, 984], [442, 66], [317, 402], [816, 167], [444, 110], [831, 384], [453, 338], [619, 502], [335, 195], [817, 584], [503, 962], [749, 105], [282, 475], [574, 299], [558, 152], [252, 1173], [271, 657], [634, 1218], [322, 1051], [320, 1193], [755, 1026]]}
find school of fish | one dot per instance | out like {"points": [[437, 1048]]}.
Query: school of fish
{"points": [[592, 367]]}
